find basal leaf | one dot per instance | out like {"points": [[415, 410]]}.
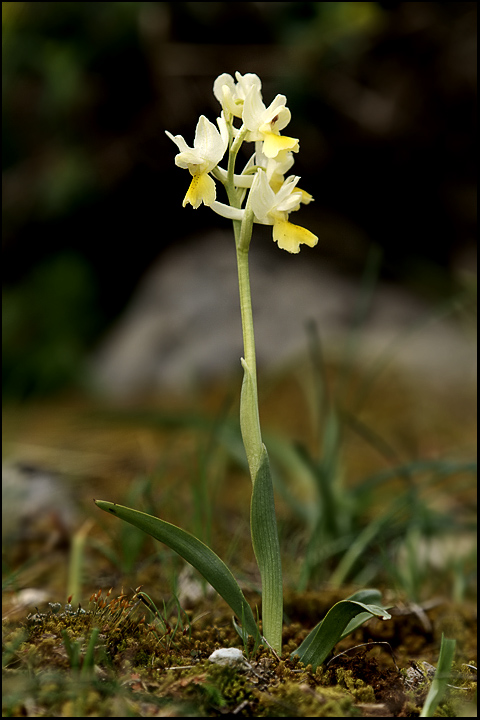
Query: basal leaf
{"points": [[194, 552], [337, 623], [368, 596]]}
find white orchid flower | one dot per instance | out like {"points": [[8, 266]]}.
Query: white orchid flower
{"points": [[231, 95], [273, 208], [265, 123], [208, 149]]}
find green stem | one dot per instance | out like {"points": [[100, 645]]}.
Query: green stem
{"points": [[243, 245], [234, 194], [263, 521], [249, 414]]}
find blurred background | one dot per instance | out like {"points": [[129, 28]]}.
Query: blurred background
{"points": [[383, 99]]}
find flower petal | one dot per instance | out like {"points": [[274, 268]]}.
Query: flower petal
{"points": [[231, 96], [202, 189], [178, 140], [227, 211], [289, 236], [253, 111], [262, 198], [306, 197], [273, 144], [277, 114], [224, 91], [209, 143]]}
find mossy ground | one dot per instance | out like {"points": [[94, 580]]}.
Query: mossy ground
{"points": [[139, 667]]}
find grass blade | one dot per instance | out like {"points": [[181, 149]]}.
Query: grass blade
{"points": [[89, 657], [440, 679], [194, 552]]}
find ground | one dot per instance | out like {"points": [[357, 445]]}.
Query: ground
{"points": [[112, 657]]}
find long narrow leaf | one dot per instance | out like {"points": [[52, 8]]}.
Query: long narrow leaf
{"points": [[338, 622], [196, 553], [266, 546], [440, 679]]}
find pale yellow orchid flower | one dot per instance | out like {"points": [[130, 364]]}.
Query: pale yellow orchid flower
{"points": [[208, 149], [265, 123], [273, 208], [231, 95]]}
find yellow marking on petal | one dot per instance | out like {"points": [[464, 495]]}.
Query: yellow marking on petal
{"points": [[289, 236], [273, 144], [202, 189]]}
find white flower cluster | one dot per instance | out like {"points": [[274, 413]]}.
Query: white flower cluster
{"points": [[271, 197]]}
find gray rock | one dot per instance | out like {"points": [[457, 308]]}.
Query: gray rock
{"points": [[36, 504], [183, 324]]}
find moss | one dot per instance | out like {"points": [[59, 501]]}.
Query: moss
{"points": [[461, 700], [292, 700], [357, 687]]}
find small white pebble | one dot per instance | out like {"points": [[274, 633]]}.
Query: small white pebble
{"points": [[228, 656]]}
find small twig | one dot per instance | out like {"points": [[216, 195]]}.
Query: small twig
{"points": [[240, 707]]}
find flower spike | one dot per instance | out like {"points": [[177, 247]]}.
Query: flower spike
{"points": [[270, 195]]}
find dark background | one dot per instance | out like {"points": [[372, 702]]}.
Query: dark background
{"points": [[383, 99]]}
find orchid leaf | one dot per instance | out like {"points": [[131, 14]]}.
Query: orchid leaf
{"points": [[342, 619], [194, 552], [266, 546], [250, 422]]}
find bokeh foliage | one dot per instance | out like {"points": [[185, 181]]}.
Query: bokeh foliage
{"points": [[382, 96]]}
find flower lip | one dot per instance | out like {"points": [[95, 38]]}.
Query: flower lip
{"points": [[201, 190], [289, 237]]}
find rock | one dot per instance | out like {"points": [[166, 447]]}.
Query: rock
{"points": [[183, 324], [37, 504], [228, 656]]}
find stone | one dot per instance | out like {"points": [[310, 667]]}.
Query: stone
{"points": [[182, 326]]}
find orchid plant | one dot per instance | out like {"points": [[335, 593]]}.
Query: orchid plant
{"points": [[260, 193]]}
